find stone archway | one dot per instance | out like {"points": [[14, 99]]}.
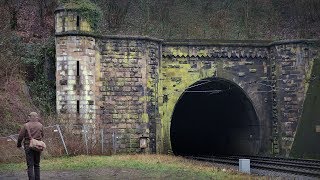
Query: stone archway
{"points": [[214, 116]]}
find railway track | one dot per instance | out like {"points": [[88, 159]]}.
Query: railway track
{"points": [[293, 166]]}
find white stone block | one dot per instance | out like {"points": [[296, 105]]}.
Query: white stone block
{"points": [[59, 98], [71, 81], [86, 87], [83, 101], [73, 103], [71, 98], [62, 73]]}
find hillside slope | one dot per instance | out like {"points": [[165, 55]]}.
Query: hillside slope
{"points": [[26, 60], [223, 19]]}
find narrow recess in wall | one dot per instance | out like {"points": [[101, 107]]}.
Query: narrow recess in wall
{"points": [[77, 85], [78, 107], [63, 24], [78, 68], [78, 21]]}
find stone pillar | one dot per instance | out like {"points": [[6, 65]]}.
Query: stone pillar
{"points": [[75, 70], [129, 75]]}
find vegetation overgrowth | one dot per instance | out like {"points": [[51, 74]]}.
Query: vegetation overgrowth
{"points": [[87, 10]]}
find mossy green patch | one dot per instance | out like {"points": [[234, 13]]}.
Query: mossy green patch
{"points": [[202, 53], [130, 55], [87, 9], [175, 78], [180, 51], [308, 76]]}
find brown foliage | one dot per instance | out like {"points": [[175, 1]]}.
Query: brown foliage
{"points": [[25, 21]]}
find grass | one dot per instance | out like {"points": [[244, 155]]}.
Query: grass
{"points": [[155, 165]]}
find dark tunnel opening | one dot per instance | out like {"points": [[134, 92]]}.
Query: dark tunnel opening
{"points": [[214, 117]]}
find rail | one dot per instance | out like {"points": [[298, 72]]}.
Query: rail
{"points": [[293, 166]]}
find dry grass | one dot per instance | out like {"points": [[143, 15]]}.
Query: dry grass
{"points": [[155, 165], [180, 163]]}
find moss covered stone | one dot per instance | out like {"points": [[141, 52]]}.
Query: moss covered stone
{"points": [[89, 12]]}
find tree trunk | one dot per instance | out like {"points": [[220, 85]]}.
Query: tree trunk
{"points": [[13, 19]]}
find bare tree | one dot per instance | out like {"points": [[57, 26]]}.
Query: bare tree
{"points": [[116, 12], [45, 7], [13, 6]]}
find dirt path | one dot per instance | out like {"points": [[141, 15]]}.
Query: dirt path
{"points": [[101, 173]]}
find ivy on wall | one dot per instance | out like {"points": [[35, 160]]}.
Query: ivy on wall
{"points": [[87, 9], [39, 60]]}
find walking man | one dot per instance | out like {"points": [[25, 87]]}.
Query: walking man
{"points": [[35, 129]]}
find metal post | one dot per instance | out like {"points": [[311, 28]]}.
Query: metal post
{"points": [[130, 143], [64, 144], [114, 142], [102, 142], [86, 138]]}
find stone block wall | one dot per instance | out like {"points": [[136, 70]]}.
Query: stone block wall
{"points": [[129, 86], [75, 78], [69, 21], [185, 63], [153, 65], [128, 70], [292, 67], [75, 72]]}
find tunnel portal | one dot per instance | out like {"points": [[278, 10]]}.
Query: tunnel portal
{"points": [[214, 117]]}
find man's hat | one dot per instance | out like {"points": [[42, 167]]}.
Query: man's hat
{"points": [[33, 114]]}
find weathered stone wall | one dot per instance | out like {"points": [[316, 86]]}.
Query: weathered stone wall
{"points": [[75, 93], [154, 53], [129, 85], [76, 73], [183, 64], [128, 76], [292, 67], [69, 21]]}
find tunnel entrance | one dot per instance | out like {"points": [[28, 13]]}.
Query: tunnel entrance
{"points": [[214, 117]]}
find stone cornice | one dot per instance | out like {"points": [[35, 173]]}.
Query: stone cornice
{"points": [[237, 43], [115, 37], [204, 48], [216, 51], [196, 42], [208, 42], [226, 48]]}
